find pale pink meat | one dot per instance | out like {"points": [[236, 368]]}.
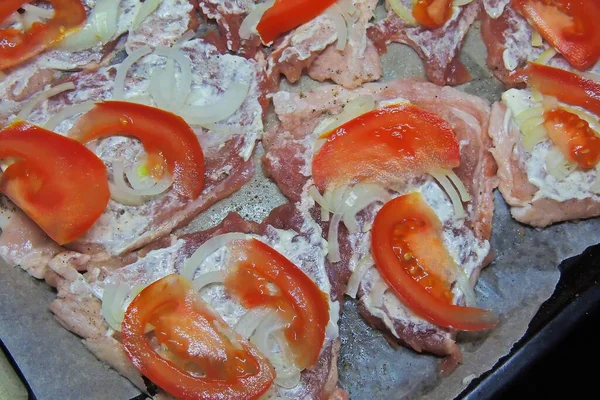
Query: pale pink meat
{"points": [[438, 48], [289, 150], [516, 188]]}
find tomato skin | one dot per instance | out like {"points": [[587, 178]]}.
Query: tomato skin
{"points": [[166, 137], [574, 137], [398, 227], [566, 86], [384, 146], [286, 15], [59, 183], [183, 321], [255, 265], [570, 26], [433, 14], [19, 47]]}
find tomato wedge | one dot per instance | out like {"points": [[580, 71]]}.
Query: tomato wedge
{"points": [[433, 14], [570, 26], [207, 359], [286, 15], [257, 265], [574, 137], [566, 86], [409, 252], [17, 46], [58, 182], [386, 146], [167, 138]]}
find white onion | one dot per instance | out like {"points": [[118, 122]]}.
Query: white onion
{"points": [[462, 281], [144, 99], [320, 200], [163, 86], [363, 196], [287, 374], [377, 292], [208, 278], [210, 246], [533, 137], [226, 331], [186, 37], [460, 186], [459, 211], [341, 29], [250, 321], [532, 112], [147, 8], [358, 274], [113, 299], [546, 56], [272, 323], [355, 108], [460, 3], [35, 14], [226, 106], [536, 39], [248, 26], [550, 103], [536, 95], [124, 194], [185, 66], [68, 112], [332, 239], [100, 27], [557, 164], [532, 123], [135, 180], [348, 7], [119, 91], [403, 12], [45, 95]]}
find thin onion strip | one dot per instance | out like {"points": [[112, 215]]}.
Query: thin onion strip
{"points": [[377, 292], [251, 320], [146, 9], [43, 96], [358, 275], [119, 90], [66, 113], [208, 278], [248, 26], [209, 247], [443, 180]]}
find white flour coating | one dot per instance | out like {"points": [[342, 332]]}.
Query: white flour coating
{"points": [[518, 48], [495, 8], [577, 185], [430, 44]]}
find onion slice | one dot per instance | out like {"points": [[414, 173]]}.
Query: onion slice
{"points": [[45, 95], [546, 56], [66, 113], [208, 278], [353, 109], [100, 27], [339, 22], [231, 100], [147, 8], [358, 275], [251, 320], [459, 211], [119, 91], [113, 300], [377, 292], [403, 12], [248, 26], [332, 239], [557, 164], [210, 246]]}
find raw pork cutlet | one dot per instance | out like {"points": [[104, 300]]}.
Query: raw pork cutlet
{"points": [[438, 48], [538, 183], [228, 146], [167, 24], [510, 44], [288, 158], [314, 46], [79, 307]]}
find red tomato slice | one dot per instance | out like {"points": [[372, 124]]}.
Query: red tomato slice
{"points": [[385, 146], [167, 138], [17, 46], [566, 86], [58, 182], [408, 250], [570, 26], [574, 137], [433, 14], [256, 266], [207, 359], [286, 15]]}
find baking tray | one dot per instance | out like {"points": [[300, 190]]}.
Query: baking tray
{"points": [[67, 370]]}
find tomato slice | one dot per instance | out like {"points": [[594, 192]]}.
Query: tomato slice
{"points": [[409, 252], [206, 360], [256, 266], [570, 26], [566, 86], [433, 14], [17, 46], [574, 137], [167, 138], [58, 182], [286, 15], [385, 146]]}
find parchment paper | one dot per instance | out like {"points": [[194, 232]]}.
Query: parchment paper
{"points": [[523, 275]]}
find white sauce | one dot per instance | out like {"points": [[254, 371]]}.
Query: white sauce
{"points": [[495, 8]]}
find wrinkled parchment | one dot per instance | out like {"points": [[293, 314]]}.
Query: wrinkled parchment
{"points": [[523, 275]]}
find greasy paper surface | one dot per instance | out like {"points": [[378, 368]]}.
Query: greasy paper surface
{"points": [[523, 275]]}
